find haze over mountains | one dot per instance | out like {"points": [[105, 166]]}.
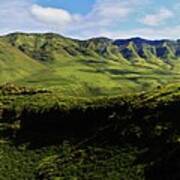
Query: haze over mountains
{"points": [[97, 64]]}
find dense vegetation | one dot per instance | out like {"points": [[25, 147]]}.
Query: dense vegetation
{"points": [[93, 109], [122, 137]]}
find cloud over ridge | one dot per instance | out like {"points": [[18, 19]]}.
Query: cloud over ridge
{"points": [[119, 17]]}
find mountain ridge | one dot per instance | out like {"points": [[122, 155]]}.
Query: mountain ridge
{"points": [[95, 65], [87, 39], [162, 48]]}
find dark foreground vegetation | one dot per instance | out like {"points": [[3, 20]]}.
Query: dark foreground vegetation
{"points": [[46, 136]]}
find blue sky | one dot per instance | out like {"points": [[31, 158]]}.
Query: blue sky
{"points": [[74, 6], [153, 19]]}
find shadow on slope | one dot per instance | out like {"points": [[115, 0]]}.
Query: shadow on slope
{"points": [[147, 122]]}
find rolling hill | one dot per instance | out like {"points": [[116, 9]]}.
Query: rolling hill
{"points": [[44, 135], [53, 125], [95, 66], [14, 64]]}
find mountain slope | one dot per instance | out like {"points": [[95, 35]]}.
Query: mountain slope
{"points": [[15, 65], [95, 66]]}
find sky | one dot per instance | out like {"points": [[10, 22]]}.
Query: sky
{"points": [[152, 19]]}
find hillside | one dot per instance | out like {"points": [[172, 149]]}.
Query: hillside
{"points": [[93, 109], [14, 64], [46, 136], [98, 66]]}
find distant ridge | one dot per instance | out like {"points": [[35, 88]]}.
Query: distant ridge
{"points": [[48, 58], [40, 46]]}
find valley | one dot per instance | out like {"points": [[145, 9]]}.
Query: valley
{"points": [[95, 66], [89, 109]]}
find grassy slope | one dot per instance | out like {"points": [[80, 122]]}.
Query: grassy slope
{"points": [[72, 72], [60, 65], [15, 65], [80, 68]]}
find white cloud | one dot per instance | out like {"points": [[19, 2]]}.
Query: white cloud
{"points": [[160, 33], [104, 13], [15, 16], [106, 9], [52, 16], [105, 19], [157, 18], [148, 33]]}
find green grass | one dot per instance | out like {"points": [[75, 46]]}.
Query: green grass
{"points": [[14, 64], [71, 111], [125, 147], [91, 163], [122, 144], [19, 162], [78, 68]]}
